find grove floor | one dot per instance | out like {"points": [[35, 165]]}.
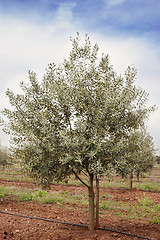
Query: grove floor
{"points": [[19, 228]]}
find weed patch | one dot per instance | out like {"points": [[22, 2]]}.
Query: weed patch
{"points": [[26, 197], [148, 187], [145, 201], [49, 200], [41, 193], [156, 220], [2, 195]]}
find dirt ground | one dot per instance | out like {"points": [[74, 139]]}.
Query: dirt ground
{"points": [[19, 228]]}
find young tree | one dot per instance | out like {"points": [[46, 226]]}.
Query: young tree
{"points": [[137, 155], [4, 157], [72, 121]]}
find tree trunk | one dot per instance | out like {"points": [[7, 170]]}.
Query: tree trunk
{"points": [[131, 179], [138, 176], [97, 203], [91, 204]]}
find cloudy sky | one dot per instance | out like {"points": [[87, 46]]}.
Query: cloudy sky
{"points": [[34, 33]]}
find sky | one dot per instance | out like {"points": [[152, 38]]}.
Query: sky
{"points": [[34, 33]]}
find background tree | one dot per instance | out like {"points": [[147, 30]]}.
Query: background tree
{"points": [[137, 155], [158, 159], [72, 121], [5, 159]]}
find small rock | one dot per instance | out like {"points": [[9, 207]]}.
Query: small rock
{"points": [[115, 235], [81, 222]]}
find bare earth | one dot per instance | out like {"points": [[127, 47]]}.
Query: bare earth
{"points": [[18, 228]]}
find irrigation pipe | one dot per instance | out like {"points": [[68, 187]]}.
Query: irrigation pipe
{"points": [[73, 224]]}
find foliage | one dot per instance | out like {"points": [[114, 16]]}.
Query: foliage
{"points": [[137, 154], [72, 122], [5, 158]]}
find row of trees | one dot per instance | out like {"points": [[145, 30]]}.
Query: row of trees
{"points": [[80, 120]]}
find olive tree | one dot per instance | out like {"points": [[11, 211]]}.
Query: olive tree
{"points": [[5, 159], [136, 154], [72, 121]]}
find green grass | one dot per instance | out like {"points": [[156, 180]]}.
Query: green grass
{"points": [[44, 196], [145, 201], [2, 195], [50, 200], [155, 220], [41, 193], [26, 196], [3, 192], [148, 185], [144, 208], [158, 207], [107, 205]]}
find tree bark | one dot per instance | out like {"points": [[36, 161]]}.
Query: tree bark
{"points": [[97, 203], [91, 204], [131, 179]]}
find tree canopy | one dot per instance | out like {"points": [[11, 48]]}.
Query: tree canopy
{"points": [[136, 154], [72, 121]]}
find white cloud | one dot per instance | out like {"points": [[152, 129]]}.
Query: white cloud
{"points": [[64, 12], [27, 46], [113, 3]]}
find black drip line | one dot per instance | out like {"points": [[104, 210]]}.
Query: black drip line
{"points": [[73, 224]]}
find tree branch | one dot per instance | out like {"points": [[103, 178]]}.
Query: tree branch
{"points": [[84, 173], [87, 170], [79, 178]]}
